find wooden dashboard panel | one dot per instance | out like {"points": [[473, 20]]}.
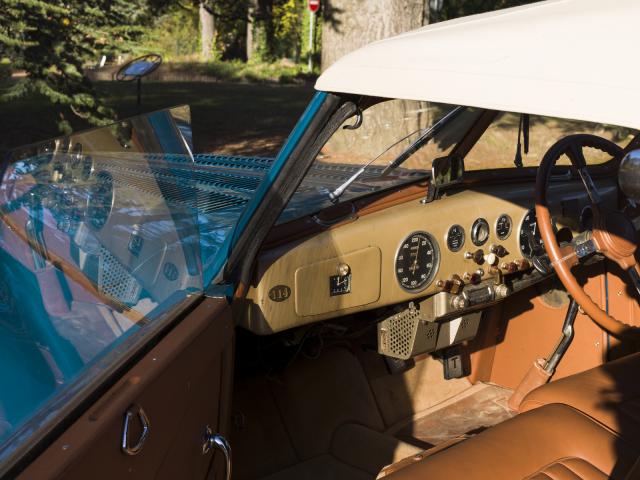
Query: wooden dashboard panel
{"points": [[307, 296]]}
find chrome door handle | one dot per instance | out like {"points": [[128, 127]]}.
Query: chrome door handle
{"points": [[216, 440], [137, 411]]}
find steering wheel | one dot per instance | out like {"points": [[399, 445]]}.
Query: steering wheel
{"points": [[613, 234]]}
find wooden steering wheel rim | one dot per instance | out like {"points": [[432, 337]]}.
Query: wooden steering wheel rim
{"points": [[562, 265]]}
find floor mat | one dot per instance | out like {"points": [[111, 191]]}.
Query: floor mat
{"points": [[469, 412], [321, 468]]}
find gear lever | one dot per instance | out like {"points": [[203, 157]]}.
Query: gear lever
{"points": [[565, 340], [543, 369]]}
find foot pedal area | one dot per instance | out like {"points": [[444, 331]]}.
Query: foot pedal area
{"points": [[453, 363], [396, 365]]}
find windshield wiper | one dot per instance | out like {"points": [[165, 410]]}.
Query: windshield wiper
{"points": [[436, 128], [422, 139]]}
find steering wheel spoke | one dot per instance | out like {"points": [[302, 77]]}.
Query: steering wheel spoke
{"points": [[575, 152], [613, 235]]}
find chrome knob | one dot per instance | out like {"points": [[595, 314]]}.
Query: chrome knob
{"points": [[502, 291], [344, 269], [459, 302], [491, 259]]}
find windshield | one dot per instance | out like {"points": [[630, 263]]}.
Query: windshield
{"points": [[101, 234], [393, 143]]}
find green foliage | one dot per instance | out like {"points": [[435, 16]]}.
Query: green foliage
{"points": [[459, 8], [280, 27], [51, 41], [174, 35], [239, 71]]}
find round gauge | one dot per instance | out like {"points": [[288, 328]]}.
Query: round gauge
{"points": [[530, 240], [100, 200], [503, 226], [455, 238], [480, 232], [417, 261]]}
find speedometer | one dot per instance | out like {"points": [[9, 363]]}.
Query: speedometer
{"points": [[530, 240], [417, 261]]}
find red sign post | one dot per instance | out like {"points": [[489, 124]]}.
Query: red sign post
{"points": [[314, 5]]}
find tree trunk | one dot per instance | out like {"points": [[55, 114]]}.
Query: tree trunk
{"points": [[251, 13], [207, 33], [351, 24]]}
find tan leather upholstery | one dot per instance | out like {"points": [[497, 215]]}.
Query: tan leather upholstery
{"points": [[551, 442], [609, 394]]}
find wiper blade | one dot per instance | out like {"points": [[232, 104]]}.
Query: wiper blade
{"points": [[335, 195], [421, 140]]}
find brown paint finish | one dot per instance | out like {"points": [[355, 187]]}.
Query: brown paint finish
{"points": [[183, 384]]}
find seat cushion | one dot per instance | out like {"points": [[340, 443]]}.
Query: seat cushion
{"points": [[609, 393], [553, 441]]}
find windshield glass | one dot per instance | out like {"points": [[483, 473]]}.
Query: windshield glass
{"points": [[101, 234], [498, 145], [396, 142]]}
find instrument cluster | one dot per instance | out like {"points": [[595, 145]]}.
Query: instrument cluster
{"points": [[418, 257]]}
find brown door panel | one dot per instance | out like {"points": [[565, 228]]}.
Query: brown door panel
{"points": [[183, 384]]}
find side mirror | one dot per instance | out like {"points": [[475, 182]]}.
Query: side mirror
{"points": [[447, 171], [629, 175]]}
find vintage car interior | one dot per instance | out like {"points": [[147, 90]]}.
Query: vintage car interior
{"points": [[423, 284]]}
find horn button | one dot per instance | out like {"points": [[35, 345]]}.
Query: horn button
{"points": [[615, 236]]}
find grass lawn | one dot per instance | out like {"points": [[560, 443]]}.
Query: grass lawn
{"points": [[250, 119]]}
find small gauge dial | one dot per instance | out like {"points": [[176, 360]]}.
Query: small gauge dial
{"points": [[455, 238], [530, 240], [480, 232], [503, 226], [417, 261]]}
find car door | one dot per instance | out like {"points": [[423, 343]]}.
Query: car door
{"points": [[182, 386]]}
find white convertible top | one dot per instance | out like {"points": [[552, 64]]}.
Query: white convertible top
{"points": [[574, 59]]}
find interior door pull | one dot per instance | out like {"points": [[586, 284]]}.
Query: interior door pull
{"points": [[215, 440], [135, 411]]}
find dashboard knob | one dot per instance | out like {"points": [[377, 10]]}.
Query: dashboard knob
{"points": [[502, 290], [459, 302], [510, 267], [499, 250], [344, 269], [477, 256], [456, 284], [522, 264], [491, 259]]}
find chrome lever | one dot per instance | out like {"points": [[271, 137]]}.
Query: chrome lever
{"points": [[135, 410], [216, 440]]}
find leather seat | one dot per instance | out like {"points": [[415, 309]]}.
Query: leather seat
{"points": [[551, 442], [609, 393]]}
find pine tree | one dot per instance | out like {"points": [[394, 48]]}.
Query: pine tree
{"points": [[52, 41]]}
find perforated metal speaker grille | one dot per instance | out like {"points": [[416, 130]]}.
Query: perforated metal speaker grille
{"points": [[401, 332], [114, 279]]}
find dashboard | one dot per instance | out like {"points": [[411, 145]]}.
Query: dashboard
{"points": [[466, 240]]}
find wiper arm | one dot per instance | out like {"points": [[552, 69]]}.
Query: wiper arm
{"points": [[421, 140], [335, 195]]}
